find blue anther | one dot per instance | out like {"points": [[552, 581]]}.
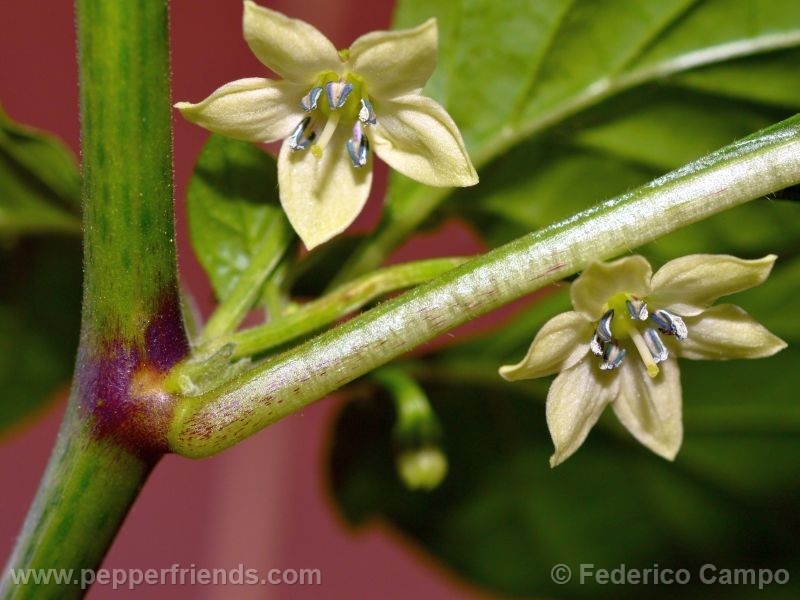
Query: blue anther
{"points": [[309, 101]]}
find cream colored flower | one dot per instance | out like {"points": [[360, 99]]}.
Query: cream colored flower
{"points": [[332, 109], [618, 346]]}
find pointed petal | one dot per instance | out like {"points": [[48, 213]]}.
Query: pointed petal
{"points": [[293, 49], [560, 343], [255, 109], [726, 331], [395, 63], [323, 196], [417, 137], [689, 284], [575, 401], [600, 281], [651, 408]]}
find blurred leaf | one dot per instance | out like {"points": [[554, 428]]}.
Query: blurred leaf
{"points": [[39, 182], [233, 207], [616, 149], [40, 301], [770, 79], [315, 271], [503, 518]]}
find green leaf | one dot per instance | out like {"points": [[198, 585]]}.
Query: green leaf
{"points": [[620, 145], [39, 182], [551, 59], [766, 79], [233, 210], [558, 66], [40, 302]]}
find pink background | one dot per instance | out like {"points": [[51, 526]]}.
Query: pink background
{"points": [[263, 503]]}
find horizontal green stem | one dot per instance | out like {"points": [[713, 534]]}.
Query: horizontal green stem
{"points": [[337, 304], [748, 169]]}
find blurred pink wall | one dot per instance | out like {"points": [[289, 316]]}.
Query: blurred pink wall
{"points": [[264, 503]]}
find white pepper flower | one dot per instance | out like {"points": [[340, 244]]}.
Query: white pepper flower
{"points": [[619, 344], [333, 109]]}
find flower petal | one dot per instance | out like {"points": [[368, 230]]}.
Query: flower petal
{"points": [[292, 48], [255, 109], [322, 196], [575, 401], [650, 408], [689, 284], [560, 343], [417, 137], [726, 331], [600, 281], [396, 63]]}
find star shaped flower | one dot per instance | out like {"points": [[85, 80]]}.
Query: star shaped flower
{"points": [[619, 344], [333, 109]]}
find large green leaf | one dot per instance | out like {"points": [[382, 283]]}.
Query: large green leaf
{"points": [[553, 58], [234, 210], [39, 182], [644, 86]]}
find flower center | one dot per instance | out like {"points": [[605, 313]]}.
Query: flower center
{"points": [[335, 100], [628, 318]]}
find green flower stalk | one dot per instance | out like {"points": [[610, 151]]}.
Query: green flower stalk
{"points": [[619, 345]]}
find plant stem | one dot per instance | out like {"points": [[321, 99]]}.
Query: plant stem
{"points": [[209, 366], [115, 427], [85, 492], [763, 163], [410, 401], [338, 303], [229, 314]]}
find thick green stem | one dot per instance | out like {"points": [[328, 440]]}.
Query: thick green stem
{"points": [[85, 492], [748, 169], [132, 334], [127, 164]]}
